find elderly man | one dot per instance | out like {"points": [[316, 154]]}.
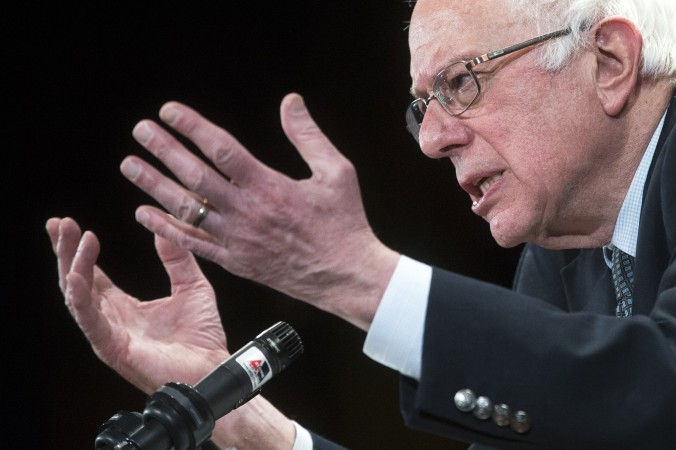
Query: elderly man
{"points": [[560, 120]]}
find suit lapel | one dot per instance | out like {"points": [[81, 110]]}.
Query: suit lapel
{"points": [[587, 278], [655, 239]]}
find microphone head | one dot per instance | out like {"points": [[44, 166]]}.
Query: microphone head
{"points": [[282, 341]]}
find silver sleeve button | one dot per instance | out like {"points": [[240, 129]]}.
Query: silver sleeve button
{"points": [[501, 414], [520, 422], [465, 400], [483, 408]]}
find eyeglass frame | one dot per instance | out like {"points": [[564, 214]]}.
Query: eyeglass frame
{"points": [[414, 111]]}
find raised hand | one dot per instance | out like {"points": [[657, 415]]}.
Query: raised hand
{"points": [[307, 238], [175, 338]]}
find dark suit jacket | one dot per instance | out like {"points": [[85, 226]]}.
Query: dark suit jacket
{"points": [[552, 346]]}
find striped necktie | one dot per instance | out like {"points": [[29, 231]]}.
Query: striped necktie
{"points": [[623, 280]]}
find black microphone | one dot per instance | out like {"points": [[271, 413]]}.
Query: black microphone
{"points": [[179, 416], [240, 378]]}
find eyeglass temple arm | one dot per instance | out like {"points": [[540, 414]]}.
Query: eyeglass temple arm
{"points": [[513, 48]]}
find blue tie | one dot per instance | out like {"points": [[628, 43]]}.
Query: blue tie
{"points": [[623, 280]]}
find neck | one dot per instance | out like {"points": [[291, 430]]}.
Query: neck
{"points": [[625, 140]]}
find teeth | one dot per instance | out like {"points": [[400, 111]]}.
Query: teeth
{"points": [[485, 184]]}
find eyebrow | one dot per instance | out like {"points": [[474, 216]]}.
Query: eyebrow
{"points": [[420, 94], [465, 56]]}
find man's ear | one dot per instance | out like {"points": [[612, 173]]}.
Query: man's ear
{"points": [[618, 43]]}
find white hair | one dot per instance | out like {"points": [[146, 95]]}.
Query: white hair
{"points": [[655, 19]]}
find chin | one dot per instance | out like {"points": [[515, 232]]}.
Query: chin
{"points": [[507, 241], [509, 234]]}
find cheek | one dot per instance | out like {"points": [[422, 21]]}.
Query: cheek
{"points": [[529, 198], [539, 179], [513, 226], [536, 138]]}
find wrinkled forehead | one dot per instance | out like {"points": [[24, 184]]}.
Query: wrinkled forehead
{"points": [[443, 31]]}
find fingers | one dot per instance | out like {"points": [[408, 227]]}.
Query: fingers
{"points": [[52, 227], [194, 173], [237, 166], [312, 144], [231, 158], [181, 266], [76, 256], [201, 180], [85, 309], [85, 257], [65, 237], [174, 230], [182, 203], [76, 253], [247, 198]]}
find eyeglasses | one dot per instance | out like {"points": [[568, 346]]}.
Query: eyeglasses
{"points": [[457, 87]]}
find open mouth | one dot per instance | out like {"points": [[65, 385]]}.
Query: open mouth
{"points": [[482, 186], [484, 183]]}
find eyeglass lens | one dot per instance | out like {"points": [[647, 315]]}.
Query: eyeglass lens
{"points": [[455, 88]]}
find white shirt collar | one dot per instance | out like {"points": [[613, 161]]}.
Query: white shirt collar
{"points": [[626, 226]]}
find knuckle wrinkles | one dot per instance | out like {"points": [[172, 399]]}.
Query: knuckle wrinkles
{"points": [[341, 171], [310, 131], [189, 125], [184, 241], [223, 154], [196, 178], [184, 208]]}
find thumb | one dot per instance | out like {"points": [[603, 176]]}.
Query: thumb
{"points": [[180, 264], [312, 144]]}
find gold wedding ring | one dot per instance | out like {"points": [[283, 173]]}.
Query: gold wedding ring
{"points": [[201, 214]]}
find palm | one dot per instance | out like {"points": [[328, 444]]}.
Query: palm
{"points": [[175, 338]]}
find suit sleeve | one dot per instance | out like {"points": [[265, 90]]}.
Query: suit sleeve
{"points": [[585, 380]]}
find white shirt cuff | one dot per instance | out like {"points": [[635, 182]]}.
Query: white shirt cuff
{"points": [[396, 333], [303, 438]]}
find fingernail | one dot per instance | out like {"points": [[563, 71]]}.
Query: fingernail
{"points": [[129, 169], [169, 113], [142, 132], [142, 217], [297, 106]]}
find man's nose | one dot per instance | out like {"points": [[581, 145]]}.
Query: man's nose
{"points": [[441, 132]]}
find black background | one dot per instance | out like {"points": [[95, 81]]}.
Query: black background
{"points": [[76, 82]]}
